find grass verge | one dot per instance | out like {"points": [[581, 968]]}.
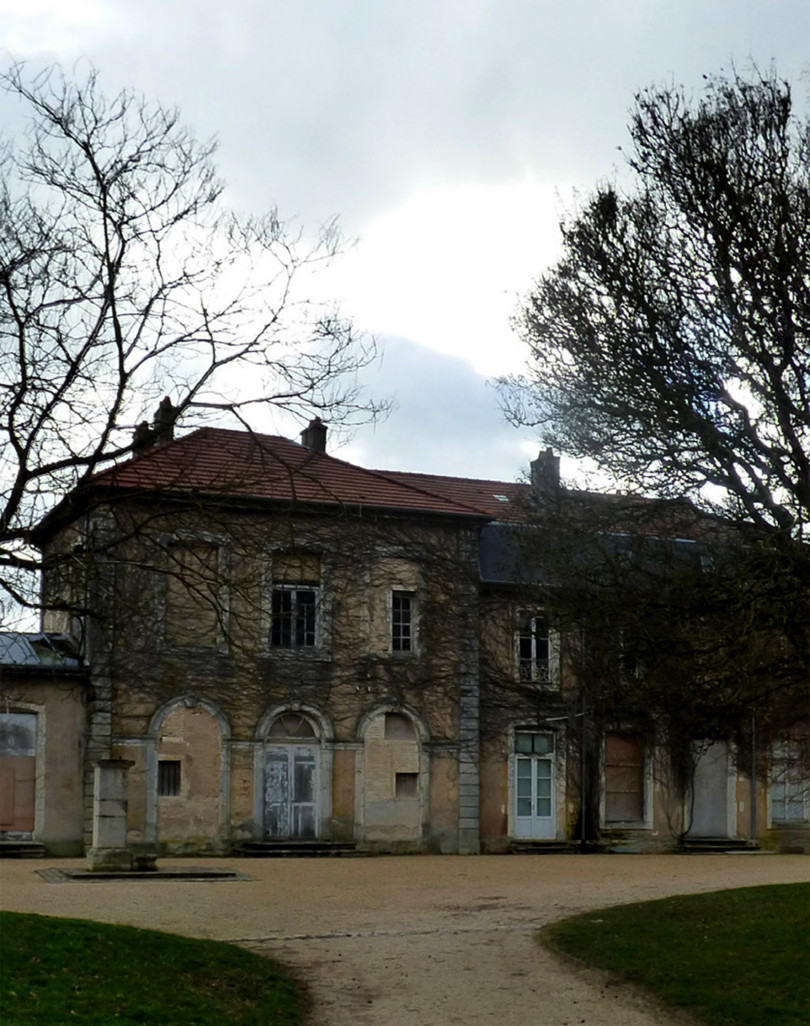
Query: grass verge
{"points": [[57, 971], [731, 958]]}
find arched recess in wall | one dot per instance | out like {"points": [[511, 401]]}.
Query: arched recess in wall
{"points": [[293, 773], [188, 775], [393, 795]]}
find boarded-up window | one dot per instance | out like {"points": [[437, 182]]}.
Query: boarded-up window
{"points": [[193, 591], [624, 778], [18, 734]]}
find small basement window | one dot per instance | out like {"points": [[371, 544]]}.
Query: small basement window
{"points": [[169, 778], [406, 785]]}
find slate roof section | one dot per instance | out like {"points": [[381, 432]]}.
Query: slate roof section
{"points": [[243, 465], [53, 651]]}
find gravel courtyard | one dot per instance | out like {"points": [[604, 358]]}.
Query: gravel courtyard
{"points": [[413, 941]]}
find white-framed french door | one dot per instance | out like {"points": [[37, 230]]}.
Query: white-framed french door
{"points": [[534, 786], [290, 792]]}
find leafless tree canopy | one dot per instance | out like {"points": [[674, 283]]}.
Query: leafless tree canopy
{"points": [[671, 343], [123, 278]]}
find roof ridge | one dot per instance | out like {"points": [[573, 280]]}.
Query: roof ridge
{"points": [[452, 477]]}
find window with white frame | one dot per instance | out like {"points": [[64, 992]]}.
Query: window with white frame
{"points": [[403, 613], [789, 785], [535, 651]]}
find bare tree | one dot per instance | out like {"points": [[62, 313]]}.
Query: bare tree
{"points": [[671, 344], [124, 278]]}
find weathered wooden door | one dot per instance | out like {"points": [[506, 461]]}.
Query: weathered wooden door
{"points": [[291, 787]]}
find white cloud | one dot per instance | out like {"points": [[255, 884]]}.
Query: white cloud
{"points": [[448, 266], [37, 26]]}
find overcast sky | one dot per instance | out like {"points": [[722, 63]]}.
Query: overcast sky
{"points": [[447, 135]]}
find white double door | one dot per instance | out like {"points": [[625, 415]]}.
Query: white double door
{"points": [[534, 797], [290, 792]]}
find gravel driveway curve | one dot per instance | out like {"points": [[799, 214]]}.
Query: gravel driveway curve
{"points": [[412, 941]]}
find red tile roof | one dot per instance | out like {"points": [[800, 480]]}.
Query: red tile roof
{"points": [[501, 500], [242, 465]]}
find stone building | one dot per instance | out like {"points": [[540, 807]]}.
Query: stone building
{"points": [[287, 647]]}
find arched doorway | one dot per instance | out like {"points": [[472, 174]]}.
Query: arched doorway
{"points": [[292, 778]]}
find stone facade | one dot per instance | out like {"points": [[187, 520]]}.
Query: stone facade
{"points": [[284, 646]]}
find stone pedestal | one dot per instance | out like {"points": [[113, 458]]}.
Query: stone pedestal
{"points": [[109, 852]]}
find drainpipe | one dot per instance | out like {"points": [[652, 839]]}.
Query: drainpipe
{"points": [[753, 778], [583, 797]]}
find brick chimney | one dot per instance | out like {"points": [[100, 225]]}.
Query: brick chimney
{"points": [[163, 424], [162, 428], [546, 476], [313, 437]]}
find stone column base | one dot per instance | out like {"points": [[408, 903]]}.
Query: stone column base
{"points": [[109, 860]]}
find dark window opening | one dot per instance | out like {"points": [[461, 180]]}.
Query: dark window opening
{"points": [[402, 608], [534, 649], [295, 616], [169, 778], [406, 785]]}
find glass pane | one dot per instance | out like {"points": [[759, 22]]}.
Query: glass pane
{"points": [[18, 733], [304, 821], [543, 744], [523, 743], [304, 779], [543, 777]]}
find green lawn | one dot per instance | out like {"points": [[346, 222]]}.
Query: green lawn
{"points": [[732, 958], [57, 971]]}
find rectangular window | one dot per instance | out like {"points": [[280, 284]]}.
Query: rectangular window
{"points": [[789, 791], [295, 616], [169, 778], [624, 778], [402, 614], [534, 744], [406, 785], [534, 649]]}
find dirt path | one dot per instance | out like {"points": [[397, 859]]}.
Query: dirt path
{"points": [[419, 941]]}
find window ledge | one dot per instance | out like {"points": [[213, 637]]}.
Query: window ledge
{"points": [[178, 648], [310, 655]]}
